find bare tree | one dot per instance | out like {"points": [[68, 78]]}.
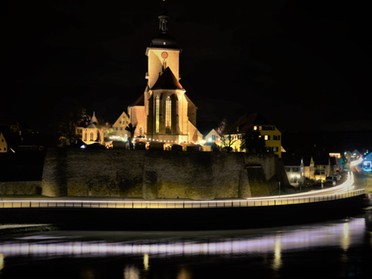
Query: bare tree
{"points": [[131, 129], [227, 139]]}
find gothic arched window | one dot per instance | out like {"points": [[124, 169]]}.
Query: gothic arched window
{"points": [[168, 115], [157, 114]]}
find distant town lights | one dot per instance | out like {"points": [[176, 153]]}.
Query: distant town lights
{"points": [[356, 162]]}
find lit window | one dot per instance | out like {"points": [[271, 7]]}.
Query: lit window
{"points": [[168, 114], [157, 114]]}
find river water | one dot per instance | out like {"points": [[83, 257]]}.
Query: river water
{"points": [[339, 248]]}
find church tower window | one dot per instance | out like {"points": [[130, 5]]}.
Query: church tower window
{"points": [[157, 114], [168, 115]]}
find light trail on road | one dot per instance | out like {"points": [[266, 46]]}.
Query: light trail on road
{"points": [[344, 190]]}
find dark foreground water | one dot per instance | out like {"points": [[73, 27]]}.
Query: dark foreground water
{"points": [[333, 249]]}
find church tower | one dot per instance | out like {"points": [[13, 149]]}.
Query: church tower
{"points": [[167, 115]]}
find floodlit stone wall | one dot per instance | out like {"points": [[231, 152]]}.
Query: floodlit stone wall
{"points": [[156, 174], [20, 188]]}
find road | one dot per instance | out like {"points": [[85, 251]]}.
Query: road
{"points": [[344, 190]]}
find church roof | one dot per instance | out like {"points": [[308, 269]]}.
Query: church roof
{"points": [[167, 80], [189, 101], [92, 125], [140, 101]]}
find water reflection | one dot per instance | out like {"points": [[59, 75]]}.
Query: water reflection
{"points": [[141, 254], [131, 272], [189, 243], [277, 262]]}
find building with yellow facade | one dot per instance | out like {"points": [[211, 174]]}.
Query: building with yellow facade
{"points": [[272, 136]]}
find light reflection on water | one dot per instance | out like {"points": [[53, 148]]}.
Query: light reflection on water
{"points": [[139, 254], [188, 243]]}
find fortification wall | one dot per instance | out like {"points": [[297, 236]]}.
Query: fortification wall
{"points": [[363, 180], [157, 174], [20, 188]]}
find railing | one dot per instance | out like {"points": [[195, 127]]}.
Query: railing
{"points": [[170, 204]]}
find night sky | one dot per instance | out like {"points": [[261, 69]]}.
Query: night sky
{"points": [[296, 62]]}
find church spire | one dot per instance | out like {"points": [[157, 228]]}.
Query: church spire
{"points": [[163, 20], [163, 39], [165, 11]]}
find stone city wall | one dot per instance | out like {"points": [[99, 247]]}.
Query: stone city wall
{"points": [[20, 188], [156, 174]]}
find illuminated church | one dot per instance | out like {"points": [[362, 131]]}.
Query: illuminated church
{"points": [[164, 113]]}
